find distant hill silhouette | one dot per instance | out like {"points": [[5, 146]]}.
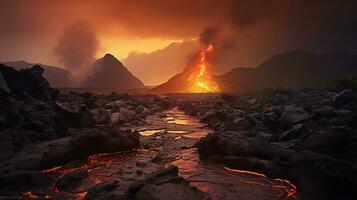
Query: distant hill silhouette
{"points": [[294, 70], [109, 73], [57, 77], [176, 84]]}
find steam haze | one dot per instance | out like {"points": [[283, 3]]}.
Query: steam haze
{"points": [[77, 46]]}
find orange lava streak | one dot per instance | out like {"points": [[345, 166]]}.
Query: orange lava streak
{"points": [[201, 80], [289, 188]]}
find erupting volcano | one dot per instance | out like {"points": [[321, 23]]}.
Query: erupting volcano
{"points": [[199, 76], [196, 77]]}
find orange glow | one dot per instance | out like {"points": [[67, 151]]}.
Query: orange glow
{"points": [[30, 195], [81, 195], [200, 78], [287, 186]]}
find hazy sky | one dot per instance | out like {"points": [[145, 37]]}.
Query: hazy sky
{"points": [[155, 38]]}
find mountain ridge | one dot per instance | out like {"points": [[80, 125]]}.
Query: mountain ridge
{"points": [[295, 69]]}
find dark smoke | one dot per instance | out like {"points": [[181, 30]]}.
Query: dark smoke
{"points": [[209, 35], [246, 13], [77, 46]]}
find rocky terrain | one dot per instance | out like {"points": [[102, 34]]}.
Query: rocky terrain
{"points": [[120, 146], [41, 129], [308, 137]]}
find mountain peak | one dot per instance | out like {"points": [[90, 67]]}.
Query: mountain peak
{"points": [[110, 59], [111, 73], [109, 56]]}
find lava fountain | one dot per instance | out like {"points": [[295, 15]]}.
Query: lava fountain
{"points": [[199, 78]]}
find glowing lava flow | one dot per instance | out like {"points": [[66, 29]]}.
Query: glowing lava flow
{"points": [[200, 80]]}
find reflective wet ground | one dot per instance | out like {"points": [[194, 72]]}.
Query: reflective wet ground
{"points": [[167, 139]]}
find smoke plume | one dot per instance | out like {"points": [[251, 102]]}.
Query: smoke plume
{"points": [[209, 35], [77, 46]]}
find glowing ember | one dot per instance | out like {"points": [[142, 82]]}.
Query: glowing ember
{"points": [[200, 79]]}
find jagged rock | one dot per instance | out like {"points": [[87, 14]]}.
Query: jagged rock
{"points": [[107, 190], [346, 95], [28, 82], [88, 142], [296, 132], [101, 115], [75, 114], [165, 184], [293, 115], [34, 126], [325, 112], [232, 143], [208, 116], [116, 118], [252, 101], [270, 118], [3, 84], [114, 106], [68, 181], [244, 122], [16, 179], [307, 137], [263, 137], [104, 141], [160, 185], [127, 114]]}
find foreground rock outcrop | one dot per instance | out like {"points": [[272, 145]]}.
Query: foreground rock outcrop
{"points": [[56, 76], [308, 137], [58, 142], [41, 129]]}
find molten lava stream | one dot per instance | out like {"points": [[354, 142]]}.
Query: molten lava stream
{"points": [[200, 79]]}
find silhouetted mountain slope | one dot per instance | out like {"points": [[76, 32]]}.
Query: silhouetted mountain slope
{"points": [[294, 70], [176, 84], [109, 73], [57, 77]]}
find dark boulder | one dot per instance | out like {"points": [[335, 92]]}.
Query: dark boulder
{"points": [[101, 115], [52, 153], [28, 82], [69, 181], [346, 95], [22, 179], [106, 190], [77, 115], [165, 184], [161, 185], [3, 84], [298, 131], [104, 141], [293, 115]]}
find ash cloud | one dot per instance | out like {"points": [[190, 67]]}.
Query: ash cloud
{"points": [[77, 46], [209, 35], [246, 13]]}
